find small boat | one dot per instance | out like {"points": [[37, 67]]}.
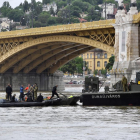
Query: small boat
{"points": [[72, 100], [29, 104]]}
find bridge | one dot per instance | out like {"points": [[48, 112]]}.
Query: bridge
{"points": [[46, 49], [51, 47]]}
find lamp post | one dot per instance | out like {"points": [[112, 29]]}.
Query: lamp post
{"points": [[9, 24], [69, 10], [32, 9]]}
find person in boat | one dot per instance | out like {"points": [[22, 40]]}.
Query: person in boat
{"points": [[31, 91], [35, 91], [9, 92], [21, 93], [13, 98], [54, 92], [40, 98], [124, 83]]}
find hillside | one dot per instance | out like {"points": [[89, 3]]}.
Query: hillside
{"points": [[68, 11]]}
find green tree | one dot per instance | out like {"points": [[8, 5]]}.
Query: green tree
{"points": [[46, 1], [103, 71], [25, 6], [52, 11], [95, 72], [51, 21], [6, 4], [111, 62], [74, 66]]}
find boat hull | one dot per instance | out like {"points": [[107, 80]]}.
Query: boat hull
{"points": [[111, 99]]}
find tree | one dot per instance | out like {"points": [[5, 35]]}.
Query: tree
{"points": [[74, 66], [52, 11], [95, 72], [25, 6], [103, 71], [111, 62], [6, 4], [46, 1], [51, 21]]}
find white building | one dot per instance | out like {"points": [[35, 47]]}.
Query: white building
{"points": [[110, 7], [48, 7]]}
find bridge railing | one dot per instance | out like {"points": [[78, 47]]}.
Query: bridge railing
{"points": [[59, 28]]}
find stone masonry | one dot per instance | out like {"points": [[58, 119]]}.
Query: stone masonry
{"points": [[44, 82]]}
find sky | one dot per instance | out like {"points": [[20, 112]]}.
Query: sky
{"points": [[15, 3]]}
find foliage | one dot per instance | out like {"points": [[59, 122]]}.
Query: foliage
{"points": [[111, 62], [95, 72], [74, 66], [103, 71]]}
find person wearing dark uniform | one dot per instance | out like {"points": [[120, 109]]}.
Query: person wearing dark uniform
{"points": [[13, 98], [124, 83], [9, 92], [40, 98], [54, 91]]}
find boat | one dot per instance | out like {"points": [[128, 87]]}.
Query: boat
{"points": [[29, 104], [72, 100], [131, 98], [53, 102]]}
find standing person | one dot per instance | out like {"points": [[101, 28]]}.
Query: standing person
{"points": [[35, 91], [9, 92], [124, 83], [54, 91], [6, 93], [31, 90], [21, 93]]}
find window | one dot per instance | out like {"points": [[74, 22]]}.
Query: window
{"points": [[112, 54], [91, 55], [105, 63], [98, 55], [87, 56], [105, 55], [98, 63], [82, 55]]}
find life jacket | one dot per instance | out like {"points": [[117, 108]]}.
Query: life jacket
{"points": [[26, 98]]}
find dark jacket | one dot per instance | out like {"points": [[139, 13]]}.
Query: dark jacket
{"points": [[13, 99], [54, 89], [8, 89], [40, 98]]}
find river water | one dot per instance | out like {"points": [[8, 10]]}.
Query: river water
{"points": [[70, 123]]}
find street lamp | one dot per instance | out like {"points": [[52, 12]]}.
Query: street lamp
{"points": [[9, 24]]}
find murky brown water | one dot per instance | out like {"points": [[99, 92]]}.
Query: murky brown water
{"points": [[70, 123]]}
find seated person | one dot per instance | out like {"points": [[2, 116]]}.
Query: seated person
{"points": [[13, 98], [29, 99], [40, 98]]}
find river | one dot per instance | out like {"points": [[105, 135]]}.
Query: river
{"points": [[70, 123]]}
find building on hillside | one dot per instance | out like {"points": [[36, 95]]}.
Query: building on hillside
{"points": [[83, 15], [81, 20], [96, 59], [5, 25], [110, 10], [48, 7]]}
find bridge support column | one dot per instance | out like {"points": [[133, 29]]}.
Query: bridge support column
{"points": [[127, 46], [44, 82]]}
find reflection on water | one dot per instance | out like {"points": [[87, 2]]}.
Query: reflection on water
{"points": [[70, 123]]}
